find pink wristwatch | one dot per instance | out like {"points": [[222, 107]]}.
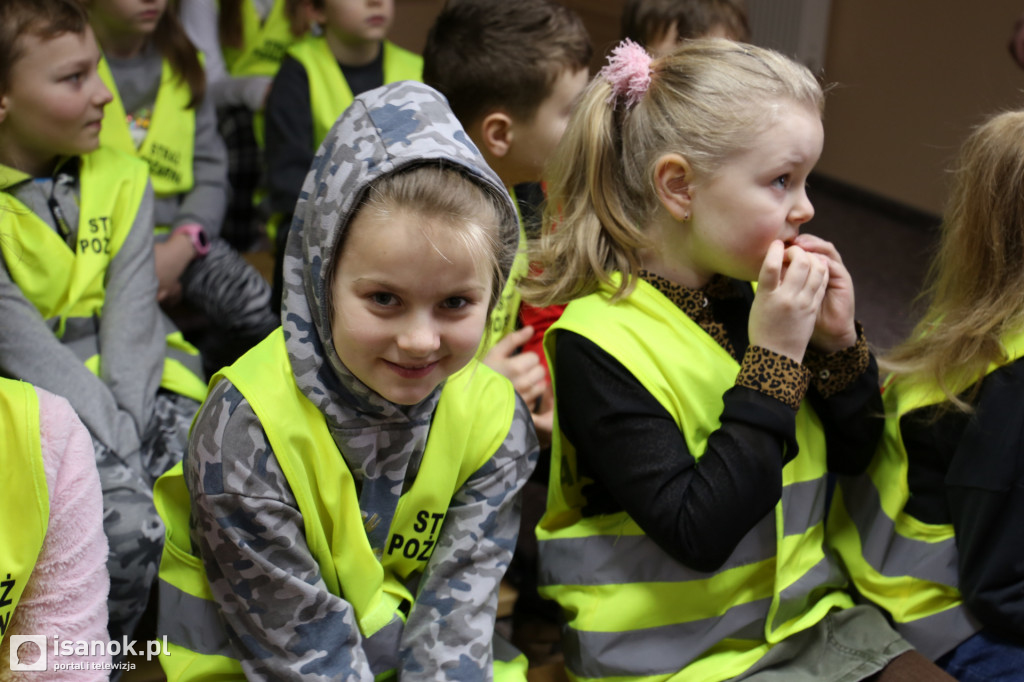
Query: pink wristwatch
{"points": [[196, 235]]}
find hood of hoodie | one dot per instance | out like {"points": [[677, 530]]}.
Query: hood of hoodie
{"points": [[385, 130]]}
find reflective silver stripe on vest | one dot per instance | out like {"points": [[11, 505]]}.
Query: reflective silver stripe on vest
{"points": [[615, 559], [895, 555], [940, 632], [81, 336], [794, 600], [194, 363], [194, 624], [661, 650], [804, 505], [382, 648], [888, 552], [191, 622], [609, 560]]}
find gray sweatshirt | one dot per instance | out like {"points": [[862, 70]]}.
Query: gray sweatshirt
{"points": [[138, 80], [117, 405]]}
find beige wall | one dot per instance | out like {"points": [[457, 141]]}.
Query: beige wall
{"points": [[912, 77], [412, 21], [414, 17]]}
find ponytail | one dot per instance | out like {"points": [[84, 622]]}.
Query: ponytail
{"points": [[588, 198], [704, 102]]}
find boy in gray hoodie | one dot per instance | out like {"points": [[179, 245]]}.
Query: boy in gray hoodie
{"points": [[77, 284]]}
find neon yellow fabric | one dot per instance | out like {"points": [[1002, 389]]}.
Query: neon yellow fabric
{"points": [[462, 438], [264, 43], [782, 588], [26, 500], [66, 285], [505, 315], [329, 93], [169, 146], [915, 578]]}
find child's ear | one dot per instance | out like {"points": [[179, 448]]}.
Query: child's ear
{"points": [[496, 133], [673, 180]]}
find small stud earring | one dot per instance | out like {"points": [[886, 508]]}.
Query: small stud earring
{"points": [[686, 216]]}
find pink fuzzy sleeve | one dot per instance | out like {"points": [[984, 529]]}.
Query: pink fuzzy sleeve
{"points": [[66, 596]]}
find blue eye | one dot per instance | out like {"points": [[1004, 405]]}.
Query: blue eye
{"points": [[782, 182], [384, 299]]}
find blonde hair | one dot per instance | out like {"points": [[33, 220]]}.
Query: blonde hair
{"points": [[706, 102], [472, 210], [976, 278]]}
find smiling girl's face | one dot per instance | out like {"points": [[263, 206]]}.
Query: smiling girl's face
{"points": [[410, 301], [754, 198]]}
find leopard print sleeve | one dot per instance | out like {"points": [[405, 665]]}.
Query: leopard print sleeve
{"points": [[831, 373], [774, 375]]}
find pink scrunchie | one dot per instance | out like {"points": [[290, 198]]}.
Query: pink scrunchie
{"points": [[628, 71]]}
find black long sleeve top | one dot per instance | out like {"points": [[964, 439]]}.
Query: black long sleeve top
{"points": [[290, 146], [698, 510], [968, 470]]}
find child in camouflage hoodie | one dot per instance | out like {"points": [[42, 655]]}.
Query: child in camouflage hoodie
{"points": [[353, 481]]}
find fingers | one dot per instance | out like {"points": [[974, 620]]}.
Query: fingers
{"points": [[527, 375], [822, 276], [814, 244], [508, 344], [807, 274], [792, 271], [804, 272], [839, 276], [524, 370], [826, 249], [771, 267]]}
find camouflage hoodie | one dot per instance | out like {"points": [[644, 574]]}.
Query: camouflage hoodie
{"points": [[246, 524]]}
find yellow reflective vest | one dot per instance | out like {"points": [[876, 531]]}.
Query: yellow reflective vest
{"points": [[69, 287], [632, 611], [26, 500], [169, 146], [900, 563], [329, 93], [462, 438], [264, 42], [505, 315]]}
